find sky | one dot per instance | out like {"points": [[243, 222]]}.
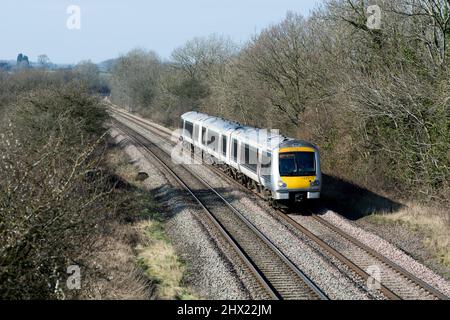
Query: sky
{"points": [[109, 28]]}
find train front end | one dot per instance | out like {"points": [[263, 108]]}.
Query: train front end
{"points": [[298, 174]]}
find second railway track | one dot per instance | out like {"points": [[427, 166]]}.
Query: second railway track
{"points": [[277, 274]]}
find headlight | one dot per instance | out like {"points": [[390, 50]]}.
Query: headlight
{"points": [[281, 184], [315, 183]]}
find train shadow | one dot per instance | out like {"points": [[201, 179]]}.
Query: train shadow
{"points": [[347, 199], [351, 200]]}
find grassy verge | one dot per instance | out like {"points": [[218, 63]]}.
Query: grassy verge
{"points": [[432, 223], [154, 252], [161, 263]]}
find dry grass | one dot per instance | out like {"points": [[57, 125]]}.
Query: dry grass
{"points": [[161, 263], [122, 168], [115, 273], [142, 252], [432, 222]]}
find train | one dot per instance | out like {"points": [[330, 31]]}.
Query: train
{"points": [[283, 170]]}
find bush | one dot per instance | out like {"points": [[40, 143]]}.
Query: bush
{"points": [[53, 192]]}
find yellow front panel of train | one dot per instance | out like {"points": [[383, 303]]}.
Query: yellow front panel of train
{"points": [[296, 149], [298, 182]]}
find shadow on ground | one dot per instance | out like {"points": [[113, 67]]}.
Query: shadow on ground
{"points": [[352, 201]]}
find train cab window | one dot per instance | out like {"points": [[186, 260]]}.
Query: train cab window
{"points": [[188, 129], [235, 150], [204, 136], [224, 145], [294, 164], [213, 140], [196, 130]]}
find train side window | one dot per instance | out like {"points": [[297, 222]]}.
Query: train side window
{"points": [[213, 140], [224, 145], [252, 158], [243, 153], [235, 150], [247, 154], [203, 135], [249, 157], [266, 160], [196, 129], [266, 164], [188, 127]]}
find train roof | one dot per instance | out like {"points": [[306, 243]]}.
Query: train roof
{"points": [[213, 122], [263, 138]]}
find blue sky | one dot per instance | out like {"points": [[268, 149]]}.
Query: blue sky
{"points": [[112, 27]]}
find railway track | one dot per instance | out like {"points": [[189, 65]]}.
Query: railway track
{"points": [[397, 283], [279, 277], [400, 280]]}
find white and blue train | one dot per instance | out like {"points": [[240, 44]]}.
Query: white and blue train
{"points": [[281, 169]]}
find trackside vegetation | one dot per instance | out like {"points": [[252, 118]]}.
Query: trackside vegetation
{"points": [[63, 203]]}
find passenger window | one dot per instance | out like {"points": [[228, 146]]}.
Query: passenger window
{"points": [[196, 129], [188, 127], [253, 159], [266, 164], [204, 136], [235, 150], [246, 154], [213, 140], [249, 157], [224, 145], [266, 161], [243, 153]]}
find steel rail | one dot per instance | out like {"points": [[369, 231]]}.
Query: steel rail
{"points": [[419, 282], [264, 281]]}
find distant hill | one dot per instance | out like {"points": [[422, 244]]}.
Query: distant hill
{"points": [[7, 65], [104, 66]]}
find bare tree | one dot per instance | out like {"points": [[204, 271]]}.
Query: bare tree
{"points": [[43, 61], [283, 59], [135, 79], [89, 74], [433, 16], [200, 56]]}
